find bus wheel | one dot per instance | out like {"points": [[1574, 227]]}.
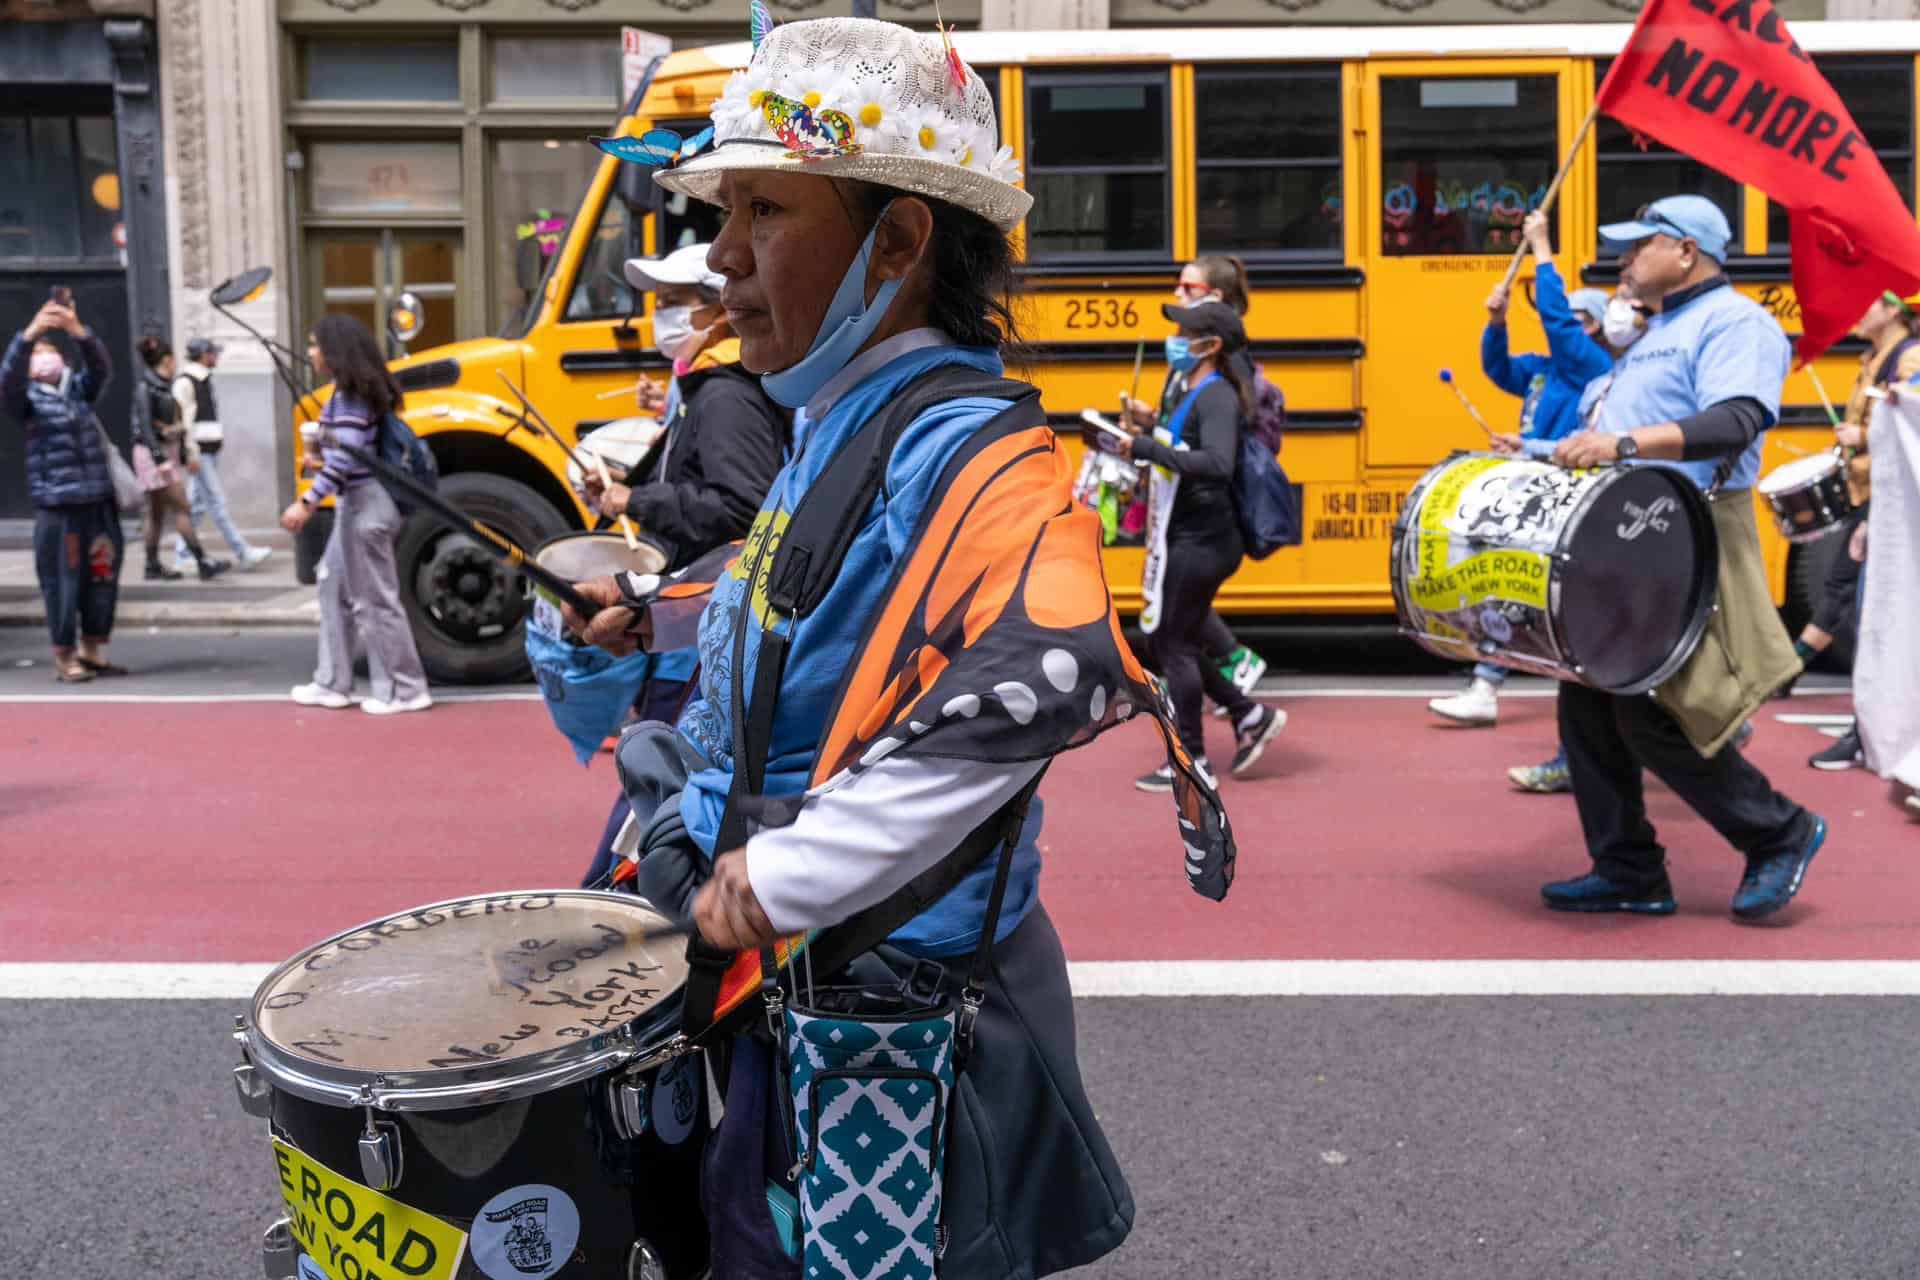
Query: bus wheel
{"points": [[1808, 565], [465, 604]]}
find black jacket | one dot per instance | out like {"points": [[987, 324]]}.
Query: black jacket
{"points": [[66, 455], [706, 481]]}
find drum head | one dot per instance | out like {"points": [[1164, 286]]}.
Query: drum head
{"points": [[501, 985], [1799, 473], [1641, 578], [579, 556]]}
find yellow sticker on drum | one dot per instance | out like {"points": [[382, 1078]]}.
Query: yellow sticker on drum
{"points": [[1519, 576], [355, 1233]]}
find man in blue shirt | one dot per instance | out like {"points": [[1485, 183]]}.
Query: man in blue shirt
{"points": [[1694, 394]]}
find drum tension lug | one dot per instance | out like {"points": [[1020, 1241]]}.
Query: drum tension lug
{"points": [[255, 1095], [627, 1104], [380, 1154], [277, 1252]]}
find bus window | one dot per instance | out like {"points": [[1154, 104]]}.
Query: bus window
{"points": [[600, 289], [682, 220], [1463, 161], [1265, 188], [1635, 170], [1878, 93], [1096, 162]]}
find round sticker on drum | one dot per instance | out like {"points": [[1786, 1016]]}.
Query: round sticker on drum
{"points": [[676, 1099], [310, 1270], [525, 1233]]}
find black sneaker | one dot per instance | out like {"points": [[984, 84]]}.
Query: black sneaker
{"points": [[1743, 735], [210, 569], [1770, 883], [1594, 892], [1843, 754], [1250, 742], [157, 572], [1160, 779]]}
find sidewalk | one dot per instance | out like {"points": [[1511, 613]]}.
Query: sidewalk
{"points": [[268, 596]]}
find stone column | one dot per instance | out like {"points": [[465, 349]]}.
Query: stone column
{"points": [[1865, 9], [226, 213], [1045, 15]]}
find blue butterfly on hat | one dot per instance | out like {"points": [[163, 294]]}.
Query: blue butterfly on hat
{"points": [[656, 148]]}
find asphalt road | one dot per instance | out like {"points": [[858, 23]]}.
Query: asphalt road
{"points": [[1323, 1139]]}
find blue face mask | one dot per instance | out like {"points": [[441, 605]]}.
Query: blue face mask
{"points": [[1180, 357], [849, 322]]}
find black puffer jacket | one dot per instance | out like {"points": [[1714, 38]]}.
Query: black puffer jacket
{"points": [[66, 455]]}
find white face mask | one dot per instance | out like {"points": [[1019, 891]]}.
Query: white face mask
{"points": [[674, 335], [1623, 325]]}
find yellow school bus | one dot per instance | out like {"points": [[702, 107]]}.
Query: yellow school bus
{"points": [[1373, 179]]}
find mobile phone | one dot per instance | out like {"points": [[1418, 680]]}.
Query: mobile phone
{"points": [[61, 294]]}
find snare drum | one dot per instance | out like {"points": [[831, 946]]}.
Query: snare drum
{"points": [[577, 557], [1603, 577], [1809, 496], [491, 1088]]}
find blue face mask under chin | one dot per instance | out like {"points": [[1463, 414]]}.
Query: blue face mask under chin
{"points": [[849, 322]]}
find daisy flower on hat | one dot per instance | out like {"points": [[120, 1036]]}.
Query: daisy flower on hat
{"points": [[856, 98]]}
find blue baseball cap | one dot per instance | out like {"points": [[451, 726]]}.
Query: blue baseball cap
{"points": [[1694, 218], [1591, 301]]}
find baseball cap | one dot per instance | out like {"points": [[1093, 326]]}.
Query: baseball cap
{"points": [[1214, 318], [685, 265], [1591, 301], [1694, 218], [201, 346]]}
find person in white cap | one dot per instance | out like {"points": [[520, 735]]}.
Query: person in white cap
{"points": [[915, 625], [724, 438], [193, 391]]}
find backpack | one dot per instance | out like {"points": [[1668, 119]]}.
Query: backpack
{"points": [[1269, 411], [400, 448], [1266, 503]]}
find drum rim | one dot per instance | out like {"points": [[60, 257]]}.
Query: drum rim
{"points": [[1831, 465], [450, 1088]]}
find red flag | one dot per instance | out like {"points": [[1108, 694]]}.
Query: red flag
{"points": [[1725, 82]]}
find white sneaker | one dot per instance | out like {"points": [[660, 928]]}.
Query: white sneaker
{"points": [[255, 557], [1477, 706], [318, 695], [377, 707]]}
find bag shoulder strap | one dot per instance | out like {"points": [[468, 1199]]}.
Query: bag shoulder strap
{"points": [[1892, 362]]}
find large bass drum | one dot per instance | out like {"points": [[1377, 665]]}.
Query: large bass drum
{"points": [[1604, 577], [492, 1088]]}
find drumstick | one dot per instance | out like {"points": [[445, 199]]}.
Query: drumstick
{"points": [[606, 482], [498, 544], [1825, 401], [1446, 376], [623, 391], [534, 417]]}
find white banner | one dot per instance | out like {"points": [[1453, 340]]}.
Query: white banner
{"points": [[1886, 670]]}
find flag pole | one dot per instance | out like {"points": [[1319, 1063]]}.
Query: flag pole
{"points": [[1553, 188]]}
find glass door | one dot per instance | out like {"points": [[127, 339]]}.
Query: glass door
{"points": [[1459, 156], [363, 273]]}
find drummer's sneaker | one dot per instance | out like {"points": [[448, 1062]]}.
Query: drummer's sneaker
{"points": [[1770, 883], [1594, 892], [1262, 725], [318, 695], [1844, 754], [1546, 779], [380, 707], [1479, 705], [1161, 779]]}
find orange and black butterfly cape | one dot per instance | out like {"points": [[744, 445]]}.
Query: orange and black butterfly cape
{"points": [[997, 641]]}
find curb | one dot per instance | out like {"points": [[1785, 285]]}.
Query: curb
{"points": [[185, 616]]}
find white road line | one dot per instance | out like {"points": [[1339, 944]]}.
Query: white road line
{"points": [[1840, 721], [1164, 978], [188, 698]]}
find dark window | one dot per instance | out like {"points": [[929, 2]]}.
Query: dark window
{"points": [[387, 70], [1267, 143], [1634, 170], [1096, 162], [1878, 94], [59, 188], [682, 219], [600, 290], [1463, 160]]}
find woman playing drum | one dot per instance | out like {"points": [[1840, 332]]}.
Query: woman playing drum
{"points": [[856, 726]]}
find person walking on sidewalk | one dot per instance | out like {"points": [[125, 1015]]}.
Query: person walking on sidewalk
{"points": [[1549, 388], [359, 581], [162, 449], [77, 541], [200, 411]]}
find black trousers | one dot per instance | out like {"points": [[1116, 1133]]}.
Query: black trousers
{"points": [[1610, 741], [1834, 613], [1195, 570], [76, 554], [1217, 641]]}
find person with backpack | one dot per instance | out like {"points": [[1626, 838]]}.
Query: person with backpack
{"points": [[1549, 387], [1892, 332], [359, 581], [1194, 538]]}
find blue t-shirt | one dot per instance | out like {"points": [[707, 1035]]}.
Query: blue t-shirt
{"points": [[1714, 347], [1549, 386], [822, 645]]}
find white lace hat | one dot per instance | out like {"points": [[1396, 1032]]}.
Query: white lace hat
{"points": [[856, 98]]}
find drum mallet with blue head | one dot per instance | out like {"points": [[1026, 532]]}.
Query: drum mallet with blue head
{"points": [[1446, 376]]}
